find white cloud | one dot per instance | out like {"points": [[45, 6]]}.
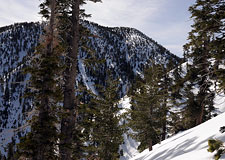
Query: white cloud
{"points": [[130, 13], [18, 11]]}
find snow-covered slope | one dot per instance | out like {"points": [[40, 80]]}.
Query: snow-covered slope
{"points": [[190, 144]]}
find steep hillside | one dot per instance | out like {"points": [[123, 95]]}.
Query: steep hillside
{"points": [[190, 144], [126, 52], [17, 42]]}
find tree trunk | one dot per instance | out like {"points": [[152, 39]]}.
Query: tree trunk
{"points": [[150, 145], [70, 104], [45, 109], [203, 83], [164, 132]]}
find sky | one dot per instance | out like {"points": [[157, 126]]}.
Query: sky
{"points": [[166, 21]]}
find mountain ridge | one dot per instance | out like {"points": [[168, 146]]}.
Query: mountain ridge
{"points": [[126, 52]]}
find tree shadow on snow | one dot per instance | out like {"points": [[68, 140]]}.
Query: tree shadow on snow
{"points": [[171, 153]]}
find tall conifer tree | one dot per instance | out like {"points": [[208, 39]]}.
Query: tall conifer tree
{"points": [[40, 143], [69, 102], [149, 108], [71, 14], [202, 50], [105, 134]]}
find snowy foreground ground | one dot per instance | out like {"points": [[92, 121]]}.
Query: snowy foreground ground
{"points": [[188, 145]]}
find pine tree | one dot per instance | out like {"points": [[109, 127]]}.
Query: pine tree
{"points": [[165, 84], [69, 102], [176, 101], [70, 32], [149, 108], [41, 142], [216, 26], [218, 146], [200, 52], [104, 134]]}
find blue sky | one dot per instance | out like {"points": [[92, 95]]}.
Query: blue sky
{"points": [[165, 21]]}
